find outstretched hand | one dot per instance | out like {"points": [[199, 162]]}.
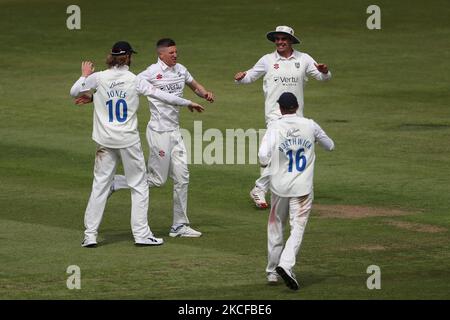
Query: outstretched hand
{"points": [[195, 106], [239, 76], [87, 68], [322, 67], [209, 96]]}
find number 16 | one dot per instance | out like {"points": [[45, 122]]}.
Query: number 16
{"points": [[300, 160]]}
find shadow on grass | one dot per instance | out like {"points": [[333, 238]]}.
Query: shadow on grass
{"points": [[111, 237], [258, 289], [309, 279]]}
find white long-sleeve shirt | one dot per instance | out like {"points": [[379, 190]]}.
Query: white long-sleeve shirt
{"points": [[288, 148], [116, 102], [164, 116], [283, 75]]}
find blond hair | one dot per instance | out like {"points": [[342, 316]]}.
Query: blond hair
{"points": [[118, 61]]}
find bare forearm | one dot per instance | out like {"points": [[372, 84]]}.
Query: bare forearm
{"points": [[201, 91]]}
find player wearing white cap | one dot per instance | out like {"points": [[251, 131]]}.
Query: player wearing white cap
{"points": [[287, 149], [168, 156], [284, 70], [115, 132]]}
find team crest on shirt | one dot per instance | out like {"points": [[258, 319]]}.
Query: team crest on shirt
{"points": [[161, 153], [297, 65], [159, 76], [276, 66]]}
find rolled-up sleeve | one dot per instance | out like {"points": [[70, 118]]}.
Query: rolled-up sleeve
{"points": [[188, 78]]}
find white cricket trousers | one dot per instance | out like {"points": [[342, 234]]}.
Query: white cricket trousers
{"points": [[297, 209], [263, 182], [167, 156], [133, 161]]}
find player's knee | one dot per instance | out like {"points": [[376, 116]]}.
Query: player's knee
{"points": [[297, 229], [156, 181], [181, 181]]}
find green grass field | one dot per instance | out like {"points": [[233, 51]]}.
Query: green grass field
{"points": [[387, 108]]}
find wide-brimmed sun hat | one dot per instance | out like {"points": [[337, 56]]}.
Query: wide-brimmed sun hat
{"points": [[285, 30]]}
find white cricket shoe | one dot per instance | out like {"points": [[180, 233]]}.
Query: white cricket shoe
{"points": [[184, 231], [150, 241], [259, 197], [272, 278], [288, 277], [89, 243]]}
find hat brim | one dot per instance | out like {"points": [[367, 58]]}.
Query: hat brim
{"points": [[121, 53], [271, 36]]}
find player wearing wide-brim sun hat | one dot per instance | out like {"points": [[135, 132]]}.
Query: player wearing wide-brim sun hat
{"points": [[284, 30], [284, 70]]}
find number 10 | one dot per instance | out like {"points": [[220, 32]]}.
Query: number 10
{"points": [[119, 117]]}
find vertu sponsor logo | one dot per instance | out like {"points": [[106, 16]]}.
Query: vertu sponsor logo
{"points": [[286, 80]]}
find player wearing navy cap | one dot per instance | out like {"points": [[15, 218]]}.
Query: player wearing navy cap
{"points": [[287, 150], [116, 134], [284, 70], [168, 155]]}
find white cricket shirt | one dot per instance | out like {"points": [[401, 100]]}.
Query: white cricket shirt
{"points": [[283, 75], [288, 148], [116, 102], [165, 117]]}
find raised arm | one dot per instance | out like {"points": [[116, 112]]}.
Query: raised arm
{"points": [[86, 82]]}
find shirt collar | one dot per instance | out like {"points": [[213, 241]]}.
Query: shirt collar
{"points": [[124, 67], [289, 115], [163, 65], [294, 55]]}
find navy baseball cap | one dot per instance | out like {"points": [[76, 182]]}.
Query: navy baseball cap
{"points": [[288, 100], [121, 47]]}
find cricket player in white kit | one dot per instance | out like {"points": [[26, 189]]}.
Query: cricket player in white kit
{"points": [[115, 132], [287, 150], [285, 70], [168, 156]]}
